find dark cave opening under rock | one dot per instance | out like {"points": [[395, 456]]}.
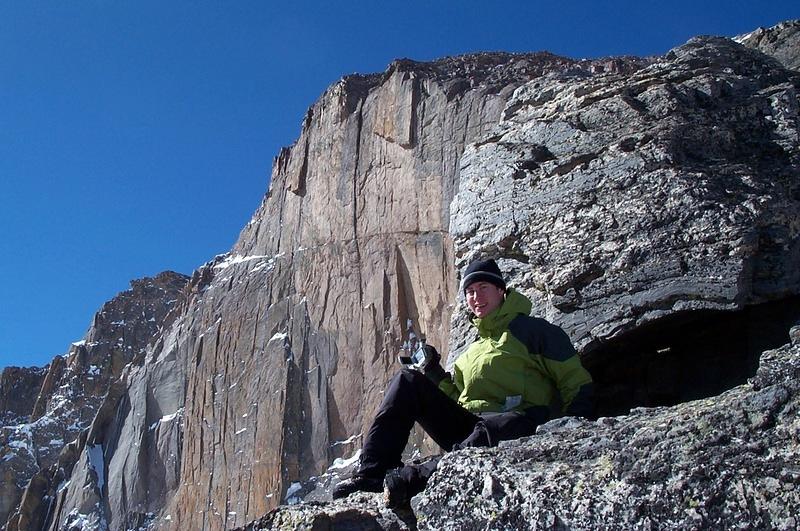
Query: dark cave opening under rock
{"points": [[686, 356]]}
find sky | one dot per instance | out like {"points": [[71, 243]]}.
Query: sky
{"points": [[138, 136]]}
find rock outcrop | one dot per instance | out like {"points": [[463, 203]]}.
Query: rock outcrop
{"points": [[654, 216], [629, 198], [728, 462], [625, 201], [781, 42], [283, 347], [51, 407]]}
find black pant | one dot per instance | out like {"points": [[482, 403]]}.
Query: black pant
{"points": [[412, 397]]}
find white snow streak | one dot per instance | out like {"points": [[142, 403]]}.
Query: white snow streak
{"points": [[346, 441], [344, 463], [238, 259], [95, 454]]}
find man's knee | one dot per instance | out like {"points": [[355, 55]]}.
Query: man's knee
{"points": [[409, 382], [414, 378]]}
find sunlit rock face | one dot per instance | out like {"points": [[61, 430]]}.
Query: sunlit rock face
{"points": [[279, 351], [348, 254], [781, 42], [654, 216], [727, 462]]}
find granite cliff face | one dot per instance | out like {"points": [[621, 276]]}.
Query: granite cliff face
{"points": [[350, 245], [278, 354], [781, 42], [632, 199], [655, 217]]}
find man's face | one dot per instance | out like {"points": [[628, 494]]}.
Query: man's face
{"points": [[483, 298]]}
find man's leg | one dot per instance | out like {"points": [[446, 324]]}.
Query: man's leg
{"points": [[496, 427], [411, 397]]}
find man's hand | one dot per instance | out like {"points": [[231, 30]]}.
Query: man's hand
{"points": [[431, 366], [431, 358]]}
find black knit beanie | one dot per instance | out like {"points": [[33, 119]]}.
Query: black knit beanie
{"points": [[485, 270]]}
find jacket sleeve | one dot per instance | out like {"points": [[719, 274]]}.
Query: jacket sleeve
{"points": [[574, 385], [561, 361], [452, 385]]}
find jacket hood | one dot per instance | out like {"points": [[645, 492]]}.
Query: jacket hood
{"points": [[514, 304]]}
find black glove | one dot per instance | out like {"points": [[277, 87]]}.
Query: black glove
{"points": [[431, 365]]}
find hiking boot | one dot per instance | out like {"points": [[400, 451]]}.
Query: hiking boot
{"points": [[402, 484], [357, 484]]}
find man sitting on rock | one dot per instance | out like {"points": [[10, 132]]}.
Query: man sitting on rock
{"points": [[503, 386]]}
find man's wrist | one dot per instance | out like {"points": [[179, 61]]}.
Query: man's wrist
{"points": [[435, 373]]}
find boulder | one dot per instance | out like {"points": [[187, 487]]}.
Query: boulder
{"points": [[727, 462]]}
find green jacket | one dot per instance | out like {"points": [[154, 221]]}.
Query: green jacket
{"points": [[519, 363]]}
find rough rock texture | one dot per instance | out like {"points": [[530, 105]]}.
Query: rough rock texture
{"points": [[281, 352], [617, 200], [622, 201], [359, 512], [19, 388], [729, 462], [60, 401], [781, 42], [678, 176]]}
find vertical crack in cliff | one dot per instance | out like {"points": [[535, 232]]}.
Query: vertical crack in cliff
{"points": [[412, 120], [254, 415], [356, 193], [687, 356], [407, 310]]}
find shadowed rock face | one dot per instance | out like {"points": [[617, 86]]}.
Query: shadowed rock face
{"points": [[781, 42], [687, 355], [53, 405], [19, 388]]}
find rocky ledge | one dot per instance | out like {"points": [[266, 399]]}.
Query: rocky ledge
{"points": [[728, 462]]}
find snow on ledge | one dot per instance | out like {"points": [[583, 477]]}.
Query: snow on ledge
{"points": [[279, 336], [238, 259], [339, 463], [346, 441], [167, 418]]}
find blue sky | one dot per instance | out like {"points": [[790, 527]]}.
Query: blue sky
{"points": [[138, 136]]}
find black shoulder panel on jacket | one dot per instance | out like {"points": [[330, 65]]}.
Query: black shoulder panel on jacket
{"points": [[541, 337]]}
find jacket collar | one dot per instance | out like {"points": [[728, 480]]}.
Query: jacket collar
{"points": [[514, 304]]}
